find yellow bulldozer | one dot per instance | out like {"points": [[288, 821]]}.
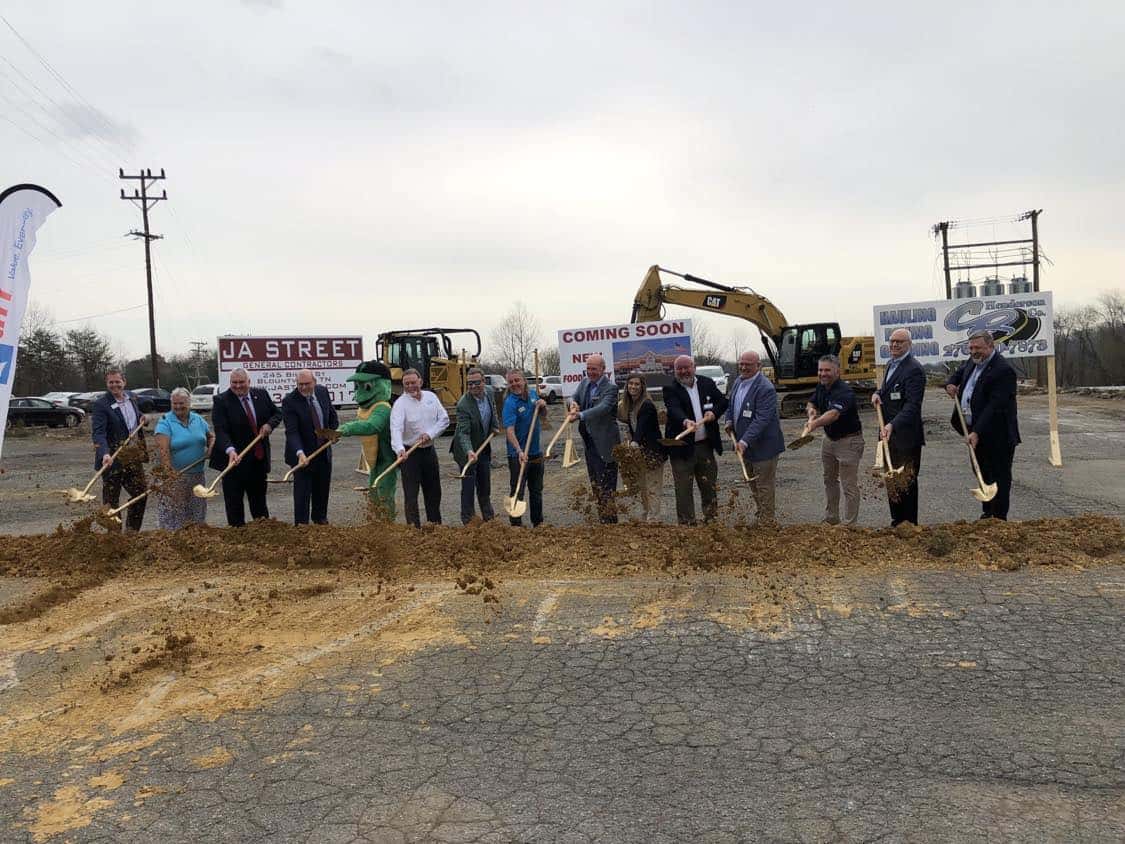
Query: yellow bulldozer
{"points": [[432, 351], [793, 350]]}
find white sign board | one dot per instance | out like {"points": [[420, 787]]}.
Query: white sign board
{"points": [[273, 362], [1023, 325], [648, 348]]}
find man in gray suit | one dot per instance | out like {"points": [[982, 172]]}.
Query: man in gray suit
{"points": [[594, 407], [754, 419], [476, 419]]}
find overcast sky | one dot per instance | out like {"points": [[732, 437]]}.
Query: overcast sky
{"points": [[341, 167]]}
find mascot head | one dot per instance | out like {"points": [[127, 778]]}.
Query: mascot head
{"points": [[372, 383]]}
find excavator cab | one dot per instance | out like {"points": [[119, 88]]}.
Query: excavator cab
{"points": [[431, 351], [802, 346]]}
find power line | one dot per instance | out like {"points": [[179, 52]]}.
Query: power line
{"points": [[104, 313], [97, 115]]}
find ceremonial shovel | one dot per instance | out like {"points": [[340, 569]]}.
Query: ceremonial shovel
{"points": [[513, 503], [676, 441], [983, 492], [805, 438], [75, 495], [201, 491], [555, 438], [568, 454], [883, 465], [477, 452], [113, 513], [741, 462], [308, 459], [389, 469]]}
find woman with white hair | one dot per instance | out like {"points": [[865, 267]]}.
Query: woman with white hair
{"points": [[185, 441]]}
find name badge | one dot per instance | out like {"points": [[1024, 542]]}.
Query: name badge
{"points": [[747, 414], [708, 406], [896, 396], [520, 409]]}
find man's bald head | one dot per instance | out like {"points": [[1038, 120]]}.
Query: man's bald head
{"points": [[749, 364], [900, 342], [685, 370], [306, 382]]}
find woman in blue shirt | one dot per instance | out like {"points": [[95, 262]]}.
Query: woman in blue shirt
{"points": [[185, 441]]}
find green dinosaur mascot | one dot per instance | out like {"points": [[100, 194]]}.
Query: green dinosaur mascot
{"points": [[373, 424]]}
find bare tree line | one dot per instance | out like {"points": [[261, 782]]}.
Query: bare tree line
{"points": [[1090, 342]]}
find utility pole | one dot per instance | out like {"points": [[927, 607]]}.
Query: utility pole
{"points": [[943, 228], [142, 200], [197, 354]]}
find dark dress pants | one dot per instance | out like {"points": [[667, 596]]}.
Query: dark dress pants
{"points": [[603, 481], [905, 509], [420, 471], [477, 484], [996, 467], [311, 486], [699, 468], [533, 483], [133, 480], [247, 479]]}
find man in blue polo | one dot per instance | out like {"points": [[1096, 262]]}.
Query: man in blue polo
{"points": [[833, 408], [519, 408]]}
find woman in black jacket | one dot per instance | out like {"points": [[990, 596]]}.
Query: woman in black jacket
{"points": [[638, 412]]}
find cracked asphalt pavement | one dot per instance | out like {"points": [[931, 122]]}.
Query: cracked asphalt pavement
{"points": [[903, 705]]}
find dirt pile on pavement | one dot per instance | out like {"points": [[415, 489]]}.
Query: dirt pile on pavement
{"points": [[395, 552], [127, 630]]}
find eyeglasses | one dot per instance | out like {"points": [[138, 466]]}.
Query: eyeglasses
{"points": [[897, 342], [474, 383]]}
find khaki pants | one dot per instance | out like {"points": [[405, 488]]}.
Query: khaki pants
{"points": [[841, 460], [763, 485], [650, 482]]}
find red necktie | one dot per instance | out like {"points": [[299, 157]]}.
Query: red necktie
{"points": [[259, 449]]}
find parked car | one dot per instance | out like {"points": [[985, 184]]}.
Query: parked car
{"points": [[59, 398], [153, 399], [497, 382], [30, 410], [203, 397], [83, 401], [551, 388], [716, 374]]}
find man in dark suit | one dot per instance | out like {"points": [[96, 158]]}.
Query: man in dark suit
{"points": [[694, 403], [306, 410], [986, 388], [476, 419], [594, 407], [115, 415], [240, 414], [904, 387]]}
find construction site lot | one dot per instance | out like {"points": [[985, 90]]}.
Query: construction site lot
{"points": [[580, 682]]}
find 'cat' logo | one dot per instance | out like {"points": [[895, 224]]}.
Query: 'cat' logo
{"points": [[715, 302]]}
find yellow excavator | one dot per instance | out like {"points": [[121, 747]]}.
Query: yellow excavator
{"points": [[793, 350], [431, 351]]}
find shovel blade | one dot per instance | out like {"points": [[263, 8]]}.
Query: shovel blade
{"points": [[77, 495], [515, 507], [800, 441], [568, 454], [200, 491], [985, 493]]}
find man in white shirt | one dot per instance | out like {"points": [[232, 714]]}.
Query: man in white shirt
{"points": [[418, 418]]}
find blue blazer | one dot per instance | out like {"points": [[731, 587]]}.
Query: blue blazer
{"points": [[108, 427], [300, 424], [757, 422], [909, 385]]}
